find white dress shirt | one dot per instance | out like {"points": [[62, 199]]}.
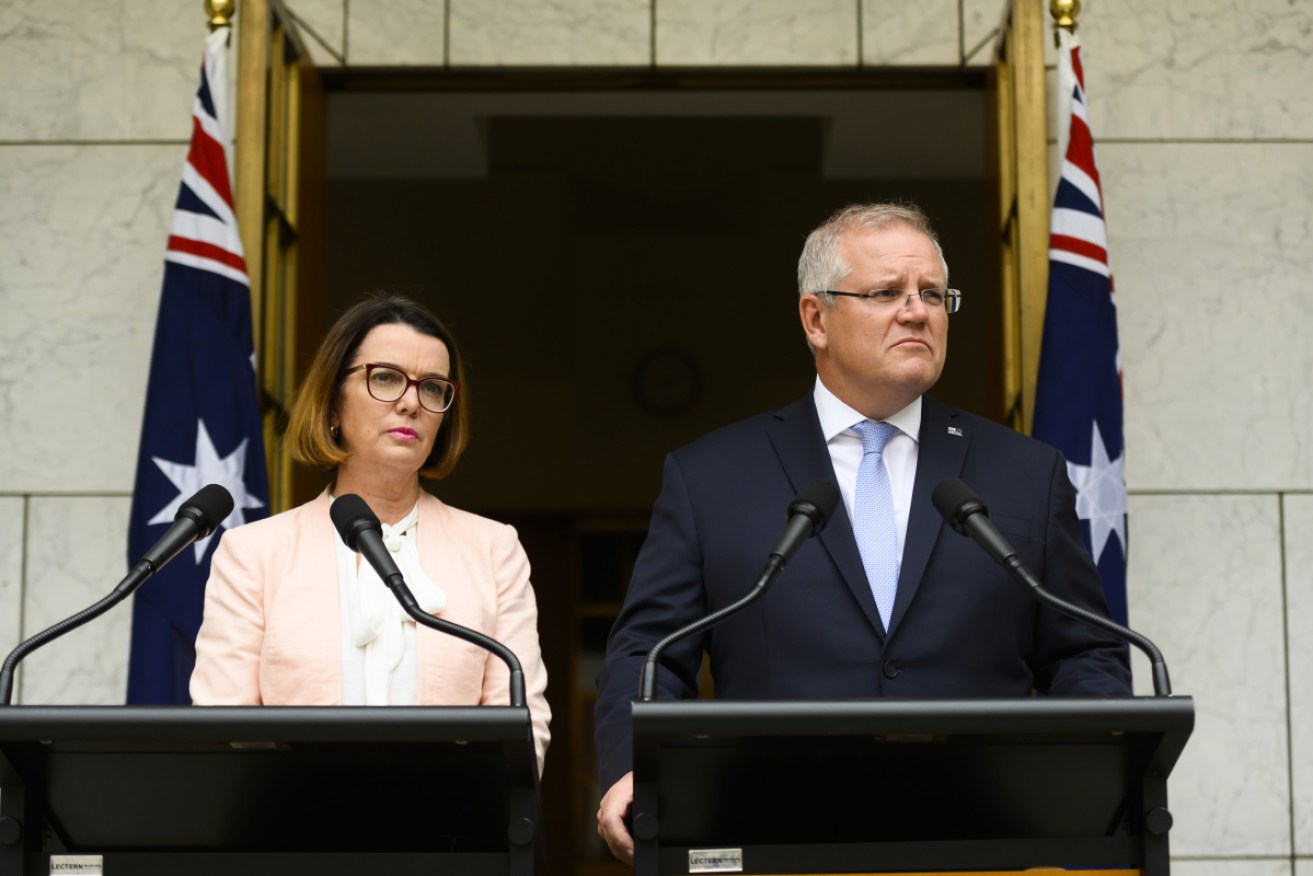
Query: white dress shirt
{"points": [[845, 446]]}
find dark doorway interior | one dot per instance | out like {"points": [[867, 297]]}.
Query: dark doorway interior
{"points": [[619, 269]]}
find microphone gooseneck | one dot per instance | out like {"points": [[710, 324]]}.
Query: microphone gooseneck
{"points": [[197, 518], [968, 515], [810, 510], [361, 531]]}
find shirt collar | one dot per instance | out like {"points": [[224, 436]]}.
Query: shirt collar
{"points": [[837, 417]]}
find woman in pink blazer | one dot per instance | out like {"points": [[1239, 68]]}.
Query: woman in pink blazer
{"points": [[293, 617]]}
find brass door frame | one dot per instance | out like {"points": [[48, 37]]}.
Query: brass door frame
{"points": [[1017, 95], [278, 88]]}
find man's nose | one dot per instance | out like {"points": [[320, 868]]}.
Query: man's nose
{"points": [[914, 307]]}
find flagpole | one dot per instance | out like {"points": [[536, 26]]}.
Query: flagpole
{"points": [[218, 43], [1064, 14], [221, 13]]}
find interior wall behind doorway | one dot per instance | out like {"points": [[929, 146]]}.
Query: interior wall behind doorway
{"points": [[621, 286]]}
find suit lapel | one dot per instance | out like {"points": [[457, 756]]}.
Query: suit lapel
{"points": [[941, 452], [319, 593], [432, 541], [431, 534], [796, 436], [318, 567]]}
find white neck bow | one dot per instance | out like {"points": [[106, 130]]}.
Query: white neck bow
{"points": [[376, 620]]}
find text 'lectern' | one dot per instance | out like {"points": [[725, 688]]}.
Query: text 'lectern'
{"points": [[893, 786], [263, 790]]}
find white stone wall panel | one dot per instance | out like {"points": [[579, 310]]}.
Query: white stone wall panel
{"points": [[811, 33], [1205, 586], [84, 230], [1211, 269], [1298, 536], [613, 33], [77, 552], [121, 70]]}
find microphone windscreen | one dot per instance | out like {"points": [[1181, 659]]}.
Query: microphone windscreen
{"points": [[209, 508], [817, 500], [951, 497], [351, 516]]}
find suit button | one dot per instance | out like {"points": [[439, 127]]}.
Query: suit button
{"points": [[889, 669]]}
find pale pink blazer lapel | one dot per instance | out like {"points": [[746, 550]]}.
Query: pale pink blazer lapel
{"points": [[305, 621], [452, 670]]}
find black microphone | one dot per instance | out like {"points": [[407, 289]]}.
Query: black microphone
{"points": [[360, 530], [198, 517], [968, 515], [810, 510], [808, 513]]}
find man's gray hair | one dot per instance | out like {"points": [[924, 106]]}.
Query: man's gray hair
{"points": [[821, 267]]}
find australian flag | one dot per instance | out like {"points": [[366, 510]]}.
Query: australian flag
{"points": [[202, 418], [1078, 400]]}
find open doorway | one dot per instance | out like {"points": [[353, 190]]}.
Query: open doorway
{"points": [[617, 262], [619, 266]]}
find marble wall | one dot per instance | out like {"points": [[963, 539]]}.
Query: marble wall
{"points": [[1206, 152], [1205, 132], [93, 126]]}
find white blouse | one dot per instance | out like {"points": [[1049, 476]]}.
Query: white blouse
{"points": [[379, 664]]}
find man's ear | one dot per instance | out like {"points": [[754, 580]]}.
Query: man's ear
{"points": [[814, 315]]}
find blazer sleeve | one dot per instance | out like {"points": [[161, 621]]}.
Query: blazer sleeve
{"points": [[517, 629], [1073, 657], [666, 593], [231, 638]]}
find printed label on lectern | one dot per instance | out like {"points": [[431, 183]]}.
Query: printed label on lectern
{"points": [[77, 865], [715, 860]]}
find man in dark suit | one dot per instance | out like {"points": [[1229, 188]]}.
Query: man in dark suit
{"points": [[897, 605]]}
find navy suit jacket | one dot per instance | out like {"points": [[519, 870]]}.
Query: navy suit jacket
{"points": [[961, 626]]}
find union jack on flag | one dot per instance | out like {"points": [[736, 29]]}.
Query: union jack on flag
{"points": [[202, 419], [1078, 399]]}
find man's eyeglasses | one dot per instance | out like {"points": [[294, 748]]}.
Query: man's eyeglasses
{"points": [[387, 384], [946, 299]]}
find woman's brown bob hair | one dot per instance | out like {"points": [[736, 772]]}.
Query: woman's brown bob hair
{"points": [[309, 438]]}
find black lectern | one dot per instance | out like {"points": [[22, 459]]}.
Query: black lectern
{"points": [[167, 790], [890, 786]]}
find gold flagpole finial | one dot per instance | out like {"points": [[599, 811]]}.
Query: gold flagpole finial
{"points": [[1064, 13], [220, 13]]}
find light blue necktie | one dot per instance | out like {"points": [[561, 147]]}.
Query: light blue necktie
{"points": [[873, 517]]}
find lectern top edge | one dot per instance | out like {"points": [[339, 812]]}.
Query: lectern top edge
{"points": [[257, 723], [1165, 723], [1124, 714]]}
